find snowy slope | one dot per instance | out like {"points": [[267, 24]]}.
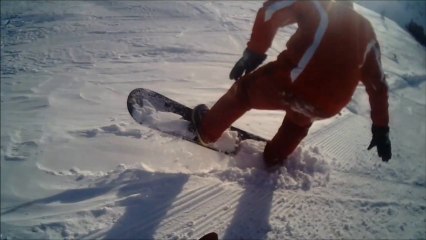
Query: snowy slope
{"points": [[400, 11], [75, 165]]}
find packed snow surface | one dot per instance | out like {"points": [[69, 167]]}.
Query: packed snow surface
{"points": [[400, 11], [74, 164]]}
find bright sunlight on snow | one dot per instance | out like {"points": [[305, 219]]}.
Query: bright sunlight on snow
{"points": [[75, 165]]}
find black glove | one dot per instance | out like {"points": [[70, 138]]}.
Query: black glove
{"points": [[247, 63], [382, 142]]}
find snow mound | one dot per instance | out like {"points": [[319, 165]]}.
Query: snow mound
{"points": [[118, 129], [75, 172], [228, 142], [304, 169], [164, 121]]}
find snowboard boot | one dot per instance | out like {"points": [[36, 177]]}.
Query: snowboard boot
{"points": [[198, 114], [275, 165]]}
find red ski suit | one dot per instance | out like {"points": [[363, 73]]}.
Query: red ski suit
{"points": [[314, 78]]}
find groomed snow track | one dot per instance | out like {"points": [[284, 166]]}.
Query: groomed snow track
{"points": [[239, 209]]}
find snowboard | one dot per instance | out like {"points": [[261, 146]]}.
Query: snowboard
{"points": [[162, 103]]}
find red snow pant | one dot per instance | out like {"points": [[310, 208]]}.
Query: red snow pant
{"points": [[264, 89]]}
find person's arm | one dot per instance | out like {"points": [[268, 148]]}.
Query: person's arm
{"points": [[270, 17], [377, 90], [375, 84]]}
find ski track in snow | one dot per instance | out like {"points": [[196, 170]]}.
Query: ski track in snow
{"points": [[74, 165]]}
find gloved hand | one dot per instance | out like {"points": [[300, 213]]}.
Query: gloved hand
{"points": [[382, 142], [247, 63]]}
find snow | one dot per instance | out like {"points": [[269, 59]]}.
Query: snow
{"points": [[397, 10], [74, 164]]}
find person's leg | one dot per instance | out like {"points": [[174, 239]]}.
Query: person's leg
{"points": [[224, 112], [294, 128], [260, 90], [263, 89]]}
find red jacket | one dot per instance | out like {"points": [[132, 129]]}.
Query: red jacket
{"points": [[332, 50]]}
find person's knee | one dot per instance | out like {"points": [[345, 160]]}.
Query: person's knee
{"points": [[240, 90]]}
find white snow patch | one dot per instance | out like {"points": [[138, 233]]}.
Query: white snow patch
{"points": [[75, 165], [304, 169], [228, 142], [163, 121]]}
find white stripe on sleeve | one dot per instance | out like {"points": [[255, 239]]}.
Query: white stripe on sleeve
{"points": [[367, 50], [275, 7], [373, 46], [319, 34]]}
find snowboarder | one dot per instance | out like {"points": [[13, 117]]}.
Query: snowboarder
{"points": [[314, 78]]}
